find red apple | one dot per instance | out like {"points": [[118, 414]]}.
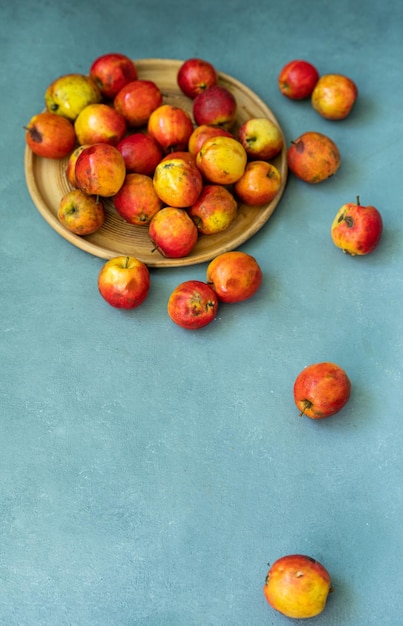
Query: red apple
{"points": [[214, 210], [124, 282], [215, 105], [71, 165], [136, 201], [297, 79], [177, 182], [171, 126], [100, 170], [192, 305], [111, 72], [50, 135], [137, 100], [261, 138], [235, 276], [173, 232], [297, 586], [334, 96], [321, 390], [195, 76], [259, 184], [80, 213], [140, 152], [204, 132], [313, 157], [99, 123], [357, 229]]}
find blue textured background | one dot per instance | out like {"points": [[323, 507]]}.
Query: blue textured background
{"points": [[148, 475]]}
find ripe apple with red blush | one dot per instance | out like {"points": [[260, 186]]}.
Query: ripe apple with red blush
{"points": [[124, 282], [171, 126], [80, 213], [50, 135], [334, 96], [100, 170], [235, 276], [99, 123], [71, 165], [193, 304], [313, 157], [202, 133], [173, 232], [214, 210], [216, 106], [111, 72], [297, 79], [195, 76], [261, 138], [136, 201], [297, 586], [357, 229], [141, 153], [137, 100], [178, 182], [259, 184], [321, 390]]}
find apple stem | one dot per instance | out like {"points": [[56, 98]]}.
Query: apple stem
{"points": [[306, 405], [358, 200], [126, 265]]}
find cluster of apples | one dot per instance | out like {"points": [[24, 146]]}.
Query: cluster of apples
{"points": [[314, 157], [179, 175]]}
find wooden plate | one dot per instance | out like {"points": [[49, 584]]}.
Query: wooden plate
{"points": [[47, 183]]}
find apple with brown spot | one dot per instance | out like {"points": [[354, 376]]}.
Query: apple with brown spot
{"points": [[195, 76], [235, 276], [178, 182], [173, 232], [297, 79], [321, 390], [313, 157], [136, 201], [50, 136], [193, 304], [124, 282], [297, 586], [357, 229]]}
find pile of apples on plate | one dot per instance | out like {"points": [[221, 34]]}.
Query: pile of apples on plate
{"points": [[177, 174]]}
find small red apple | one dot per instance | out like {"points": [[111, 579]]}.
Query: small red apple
{"points": [[261, 138], [80, 213], [124, 282], [259, 184], [136, 201], [193, 304], [334, 96], [297, 586], [173, 232], [313, 157], [99, 123], [214, 210], [357, 229], [321, 390], [100, 170], [235, 276], [49, 135], [297, 79], [137, 100], [111, 72], [195, 76], [178, 182], [140, 152], [217, 106], [171, 126]]}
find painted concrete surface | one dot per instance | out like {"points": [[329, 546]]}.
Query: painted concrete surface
{"points": [[148, 475]]}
